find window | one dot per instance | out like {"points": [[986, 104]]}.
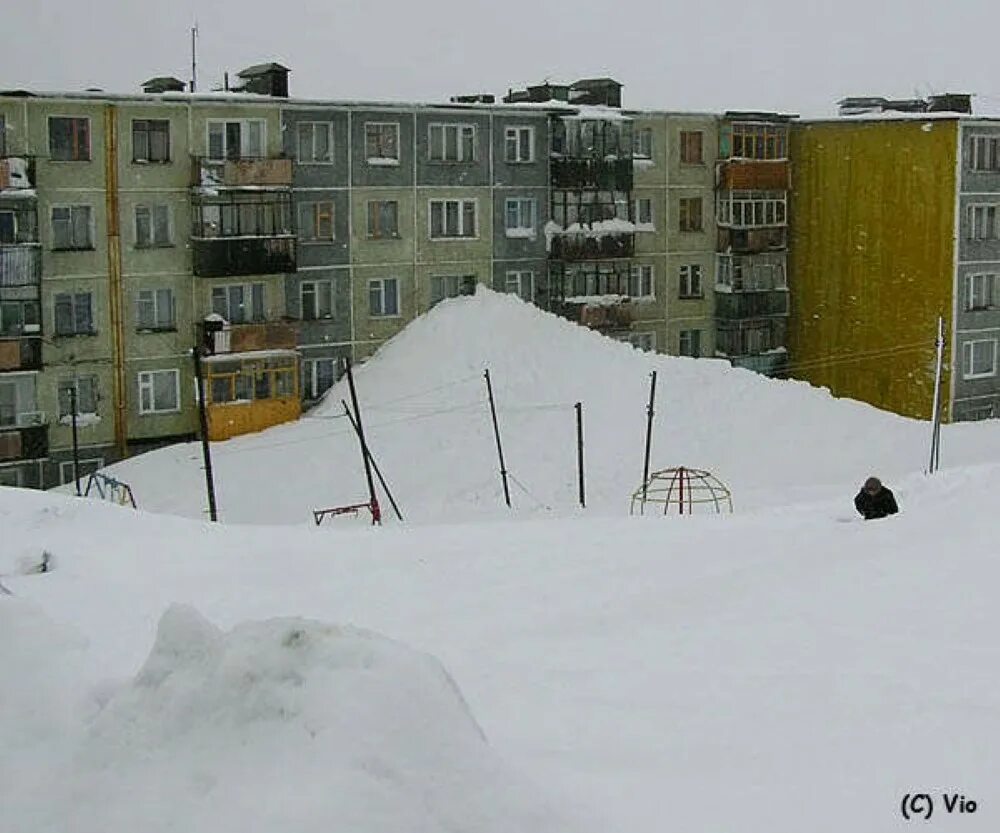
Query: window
{"points": [[759, 141], [749, 209], [72, 227], [980, 359], [74, 314], [10, 476], [3, 136], [86, 396], [8, 227], [640, 341], [644, 212], [452, 143], [150, 140], [691, 147], [979, 291], [248, 214], [382, 143], [159, 391], [320, 374], [974, 413], [317, 300], [690, 285], [642, 143], [69, 139], [519, 144], [316, 142], [19, 317], [155, 309], [238, 139], [383, 219], [982, 222], [520, 217], [152, 226], [383, 297], [239, 303], [451, 286], [520, 282], [316, 221], [690, 343], [754, 272], [689, 214], [984, 153], [640, 281], [453, 218], [87, 467]]}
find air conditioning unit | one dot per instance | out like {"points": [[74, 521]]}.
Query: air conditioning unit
{"points": [[32, 328]]}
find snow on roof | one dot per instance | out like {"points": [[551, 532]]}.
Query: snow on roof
{"points": [[251, 355]]}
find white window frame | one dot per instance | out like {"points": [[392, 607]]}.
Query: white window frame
{"points": [[244, 139], [968, 355], [310, 380], [91, 230], [314, 223], [138, 159], [382, 160], [516, 133], [515, 281], [314, 126], [987, 228], [988, 282], [984, 152], [318, 286], [638, 136], [462, 203], [460, 129], [526, 210], [680, 343], [153, 243], [642, 276], [248, 291], [380, 283], [146, 384], [154, 292], [74, 382], [691, 276], [640, 224]]}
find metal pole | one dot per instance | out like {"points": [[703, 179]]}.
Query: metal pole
{"points": [[936, 407], [194, 58], [649, 433], [376, 514], [496, 433], [371, 457], [76, 440], [206, 450], [579, 451]]}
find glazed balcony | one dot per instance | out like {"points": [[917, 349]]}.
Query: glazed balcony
{"points": [[20, 267], [753, 175], [246, 172], [612, 174], [735, 306], [216, 257], [752, 241], [25, 441], [220, 338], [576, 247], [23, 353], [17, 177]]}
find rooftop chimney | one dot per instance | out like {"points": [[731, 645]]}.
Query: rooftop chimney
{"points": [[163, 84], [265, 79]]}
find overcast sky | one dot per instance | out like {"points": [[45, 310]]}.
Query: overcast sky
{"points": [[790, 55]]}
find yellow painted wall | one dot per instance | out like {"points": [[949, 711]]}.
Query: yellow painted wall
{"points": [[232, 419], [871, 257]]}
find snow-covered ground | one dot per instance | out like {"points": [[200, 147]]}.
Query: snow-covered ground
{"points": [[782, 668]]}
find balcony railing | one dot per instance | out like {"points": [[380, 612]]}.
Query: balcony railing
{"points": [[256, 172], [571, 247], [752, 175], [20, 353], [244, 338], [603, 174], [214, 257], [739, 305], [752, 241], [29, 442], [17, 173], [20, 266]]}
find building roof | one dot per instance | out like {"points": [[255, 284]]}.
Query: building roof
{"points": [[261, 69], [591, 83], [162, 79]]}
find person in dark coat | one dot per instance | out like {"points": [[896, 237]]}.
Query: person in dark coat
{"points": [[875, 500]]}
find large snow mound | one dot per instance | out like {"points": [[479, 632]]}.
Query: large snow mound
{"points": [[426, 414], [285, 724]]}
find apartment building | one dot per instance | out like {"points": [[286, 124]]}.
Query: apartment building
{"points": [[895, 208]]}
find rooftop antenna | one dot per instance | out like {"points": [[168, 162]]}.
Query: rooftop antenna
{"points": [[194, 57]]}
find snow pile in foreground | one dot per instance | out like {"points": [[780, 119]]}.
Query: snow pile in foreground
{"points": [[428, 422], [286, 724]]}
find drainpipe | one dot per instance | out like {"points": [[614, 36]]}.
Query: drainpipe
{"points": [[115, 290]]}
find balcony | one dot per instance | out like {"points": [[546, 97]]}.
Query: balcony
{"points": [[602, 174], [752, 241], [215, 257], [17, 177], [24, 441], [20, 266], [576, 247], [753, 175], [734, 306], [209, 174], [20, 353], [220, 338]]}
